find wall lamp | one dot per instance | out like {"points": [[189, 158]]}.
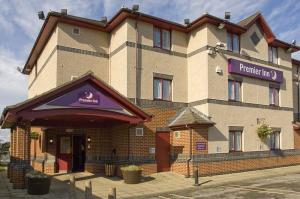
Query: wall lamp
{"points": [[221, 26], [89, 140]]}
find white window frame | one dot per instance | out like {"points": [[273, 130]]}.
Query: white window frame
{"points": [[141, 133]]}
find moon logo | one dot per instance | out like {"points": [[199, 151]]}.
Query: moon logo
{"points": [[273, 75], [89, 95]]}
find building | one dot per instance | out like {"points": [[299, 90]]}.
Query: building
{"points": [[143, 90]]}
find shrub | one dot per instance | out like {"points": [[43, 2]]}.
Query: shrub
{"points": [[36, 174]]}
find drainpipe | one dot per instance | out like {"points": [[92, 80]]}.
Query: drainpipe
{"points": [[298, 93], [137, 61], [190, 154]]}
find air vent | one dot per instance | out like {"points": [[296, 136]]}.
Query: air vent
{"points": [[254, 38], [76, 31], [139, 132]]}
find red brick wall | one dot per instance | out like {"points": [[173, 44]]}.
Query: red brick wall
{"points": [[297, 139]]}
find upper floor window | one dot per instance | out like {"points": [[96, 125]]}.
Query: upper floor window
{"points": [[162, 38], [233, 42], [274, 96], [234, 90], [275, 140], [273, 55], [162, 89], [235, 140]]}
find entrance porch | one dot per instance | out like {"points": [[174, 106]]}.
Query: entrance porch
{"points": [[79, 126]]}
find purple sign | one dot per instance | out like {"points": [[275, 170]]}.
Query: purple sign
{"points": [[252, 70], [200, 146], [88, 97]]}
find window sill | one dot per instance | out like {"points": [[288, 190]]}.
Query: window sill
{"points": [[162, 100], [164, 49], [274, 105], [235, 151], [231, 100]]}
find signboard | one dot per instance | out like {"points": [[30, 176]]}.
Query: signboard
{"points": [[255, 71], [200, 146], [88, 97]]}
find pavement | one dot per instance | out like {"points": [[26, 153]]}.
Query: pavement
{"points": [[270, 183]]}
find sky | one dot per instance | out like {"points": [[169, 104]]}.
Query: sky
{"points": [[20, 26]]}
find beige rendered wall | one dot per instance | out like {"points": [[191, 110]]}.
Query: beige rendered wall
{"points": [[295, 88], [46, 68], [226, 116], [118, 62], [155, 62], [197, 65], [253, 91], [75, 64]]}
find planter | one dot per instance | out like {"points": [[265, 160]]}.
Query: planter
{"points": [[38, 186], [131, 174], [110, 170], [38, 183]]}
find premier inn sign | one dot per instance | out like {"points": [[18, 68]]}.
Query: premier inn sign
{"points": [[255, 71]]}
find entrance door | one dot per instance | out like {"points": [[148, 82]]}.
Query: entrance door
{"points": [[78, 153], [162, 151], [64, 154]]}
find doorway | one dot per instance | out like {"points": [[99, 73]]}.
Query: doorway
{"points": [[162, 152], [78, 153]]}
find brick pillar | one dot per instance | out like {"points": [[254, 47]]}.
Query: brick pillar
{"points": [[20, 154]]}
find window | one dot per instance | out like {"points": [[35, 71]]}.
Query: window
{"points": [[161, 38], [254, 38], [139, 132], [274, 96], [275, 140], [233, 42], [65, 145], [234, 90], [162, 89], [235, 140], [273, 56]]}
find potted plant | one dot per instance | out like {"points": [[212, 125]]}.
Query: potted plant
{"points": [[34, 135], [38, 183], [132, 174], [264, 131]]}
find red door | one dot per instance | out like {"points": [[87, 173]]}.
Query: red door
{"points": [[64, 155], [162, 151]]}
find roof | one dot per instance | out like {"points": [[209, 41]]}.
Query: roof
{"points": [[296, 62], [13, 110], [190, 116], [245, 22], [53, 18]]}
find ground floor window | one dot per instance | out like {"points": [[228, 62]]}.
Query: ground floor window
{"points": [[235, 140], [275, 140]]}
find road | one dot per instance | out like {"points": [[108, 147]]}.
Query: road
{"points": [[279, 187]]}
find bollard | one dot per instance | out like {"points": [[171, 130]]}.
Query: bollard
{"points": [[88, 190], [113, 193], [72, 194], [196, 177]]}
